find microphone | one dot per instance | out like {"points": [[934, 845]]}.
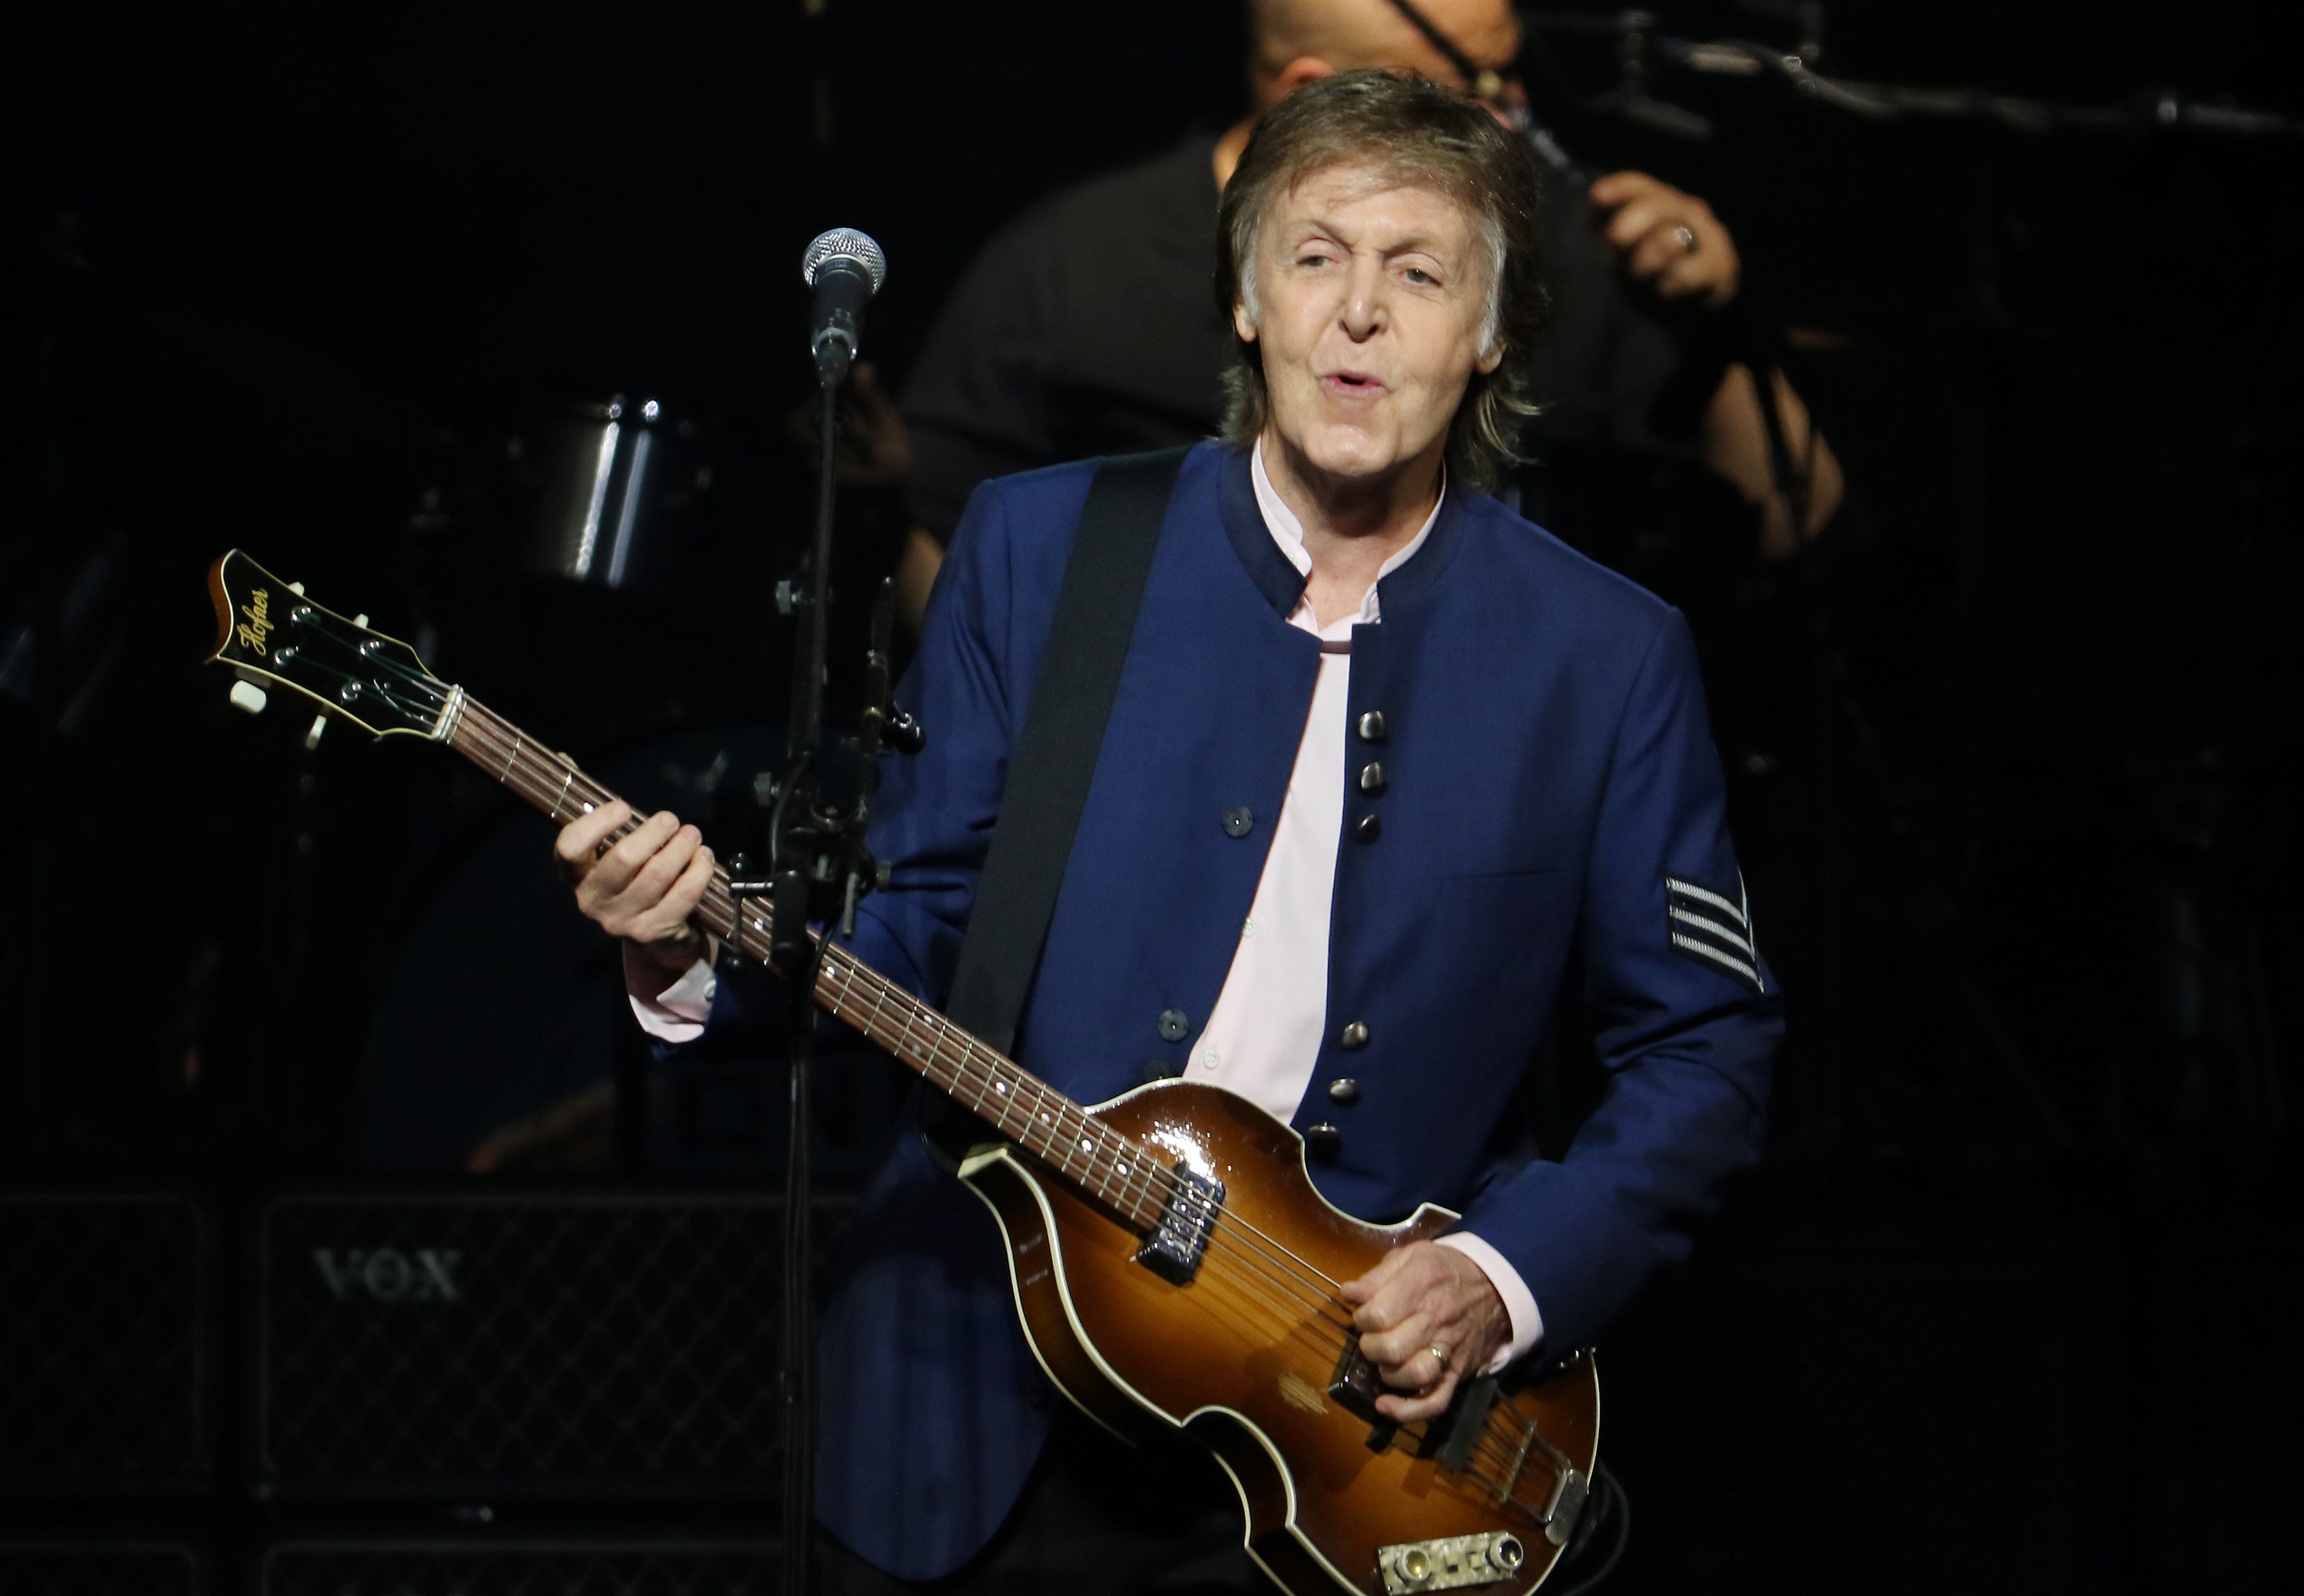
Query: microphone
{"points": [[846, 269]]}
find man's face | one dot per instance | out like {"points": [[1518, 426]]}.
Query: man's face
{"points": [[1370, 298]]}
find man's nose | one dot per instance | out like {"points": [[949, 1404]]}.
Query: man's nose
{"points": [[1364, 308]]}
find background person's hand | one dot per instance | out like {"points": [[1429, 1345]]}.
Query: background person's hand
{"points": [[1649, 229]]}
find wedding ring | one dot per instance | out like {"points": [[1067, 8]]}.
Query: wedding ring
{"points": [[1688, 241], [1439, 1357]]}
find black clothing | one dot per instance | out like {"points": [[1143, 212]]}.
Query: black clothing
{"points": [[1089, 326], [1099, 1518]]}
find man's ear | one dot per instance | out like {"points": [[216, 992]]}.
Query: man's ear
{"points": [[1303, 70], [1488, 361], [1241, 324]]}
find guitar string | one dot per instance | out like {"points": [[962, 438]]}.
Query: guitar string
{"points": [[310, 618], [486, 727], [537, 792], [1145, 1170], [487, 735]]}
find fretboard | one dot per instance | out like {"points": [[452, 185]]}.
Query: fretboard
{"points": [[1015, 1104]]}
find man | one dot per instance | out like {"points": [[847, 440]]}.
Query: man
{"points": [[1375, 959], [1083, 328]]}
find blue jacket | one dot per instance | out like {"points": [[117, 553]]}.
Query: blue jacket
{"points": [[1552, 784]]}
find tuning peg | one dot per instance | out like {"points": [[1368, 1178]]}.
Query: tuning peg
{"points": [[296, 587], [248, 696], [360, 620], [312, 737]]}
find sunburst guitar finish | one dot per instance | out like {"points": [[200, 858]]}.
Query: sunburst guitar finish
{"points": [[1243, 1354]]}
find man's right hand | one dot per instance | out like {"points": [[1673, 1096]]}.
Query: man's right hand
{"points": [[643, 887]]}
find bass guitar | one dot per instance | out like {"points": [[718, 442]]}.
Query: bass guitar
{"points": [[1173, 1263]]}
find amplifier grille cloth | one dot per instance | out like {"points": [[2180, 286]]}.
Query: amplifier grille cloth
{"points": [[413, 1344], [100, 1366]]}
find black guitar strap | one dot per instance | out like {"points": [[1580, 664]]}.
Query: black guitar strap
{"points": [[1064, 732]]}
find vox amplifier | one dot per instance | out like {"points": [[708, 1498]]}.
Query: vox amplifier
{"points": [[518, 1342]]}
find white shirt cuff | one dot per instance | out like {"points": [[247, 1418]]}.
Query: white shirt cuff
{"points": [[677, 1013], [1519, 1303]]}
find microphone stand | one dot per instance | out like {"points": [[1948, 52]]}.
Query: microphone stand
{"points": [[819, 872]]}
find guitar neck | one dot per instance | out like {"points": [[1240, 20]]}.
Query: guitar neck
{"points": [[1018, 1105]]}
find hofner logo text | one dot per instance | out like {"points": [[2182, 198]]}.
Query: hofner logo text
{"points": [[388, 1275], [256, 620]]}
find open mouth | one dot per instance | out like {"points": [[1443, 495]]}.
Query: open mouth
{"points": [[1350, 383]]}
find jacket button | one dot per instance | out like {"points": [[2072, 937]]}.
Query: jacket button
{"points": [[1372, 727], [1368, 828], [1173, 1025], [1239, 822], [1158, 1069], [1323, 1139], [1353, 1037], [1344, 1090], [1372, 778]]}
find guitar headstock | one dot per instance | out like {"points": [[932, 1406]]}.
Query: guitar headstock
{"points": [[270, 634]]}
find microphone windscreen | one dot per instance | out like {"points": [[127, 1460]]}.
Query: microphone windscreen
{"points": [[844, 243]]}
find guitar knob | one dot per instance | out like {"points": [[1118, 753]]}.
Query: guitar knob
{"points": [[248, 696], [1415, 1565]]}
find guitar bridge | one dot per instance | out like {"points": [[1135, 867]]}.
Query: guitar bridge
{"points": [[1175, 1246]]}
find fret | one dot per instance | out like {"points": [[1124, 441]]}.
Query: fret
{"points": [[1000, 1089], [900, 1027], [879, 997], [923, 1054]]}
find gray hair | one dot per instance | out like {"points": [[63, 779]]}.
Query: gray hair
{"points": [[1412, 131]]}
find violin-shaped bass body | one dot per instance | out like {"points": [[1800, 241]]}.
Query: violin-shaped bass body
{"points": [[1250, 1352]]}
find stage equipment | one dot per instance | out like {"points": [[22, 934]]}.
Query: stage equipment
{"points": [[517, 1343], [608, 477], [1642, 52], [1175, 1261], [846, 269], [371, 1567], [815, 846], [103, 1334]]}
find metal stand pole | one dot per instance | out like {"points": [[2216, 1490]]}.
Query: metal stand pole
{"points": [[799, 865]]}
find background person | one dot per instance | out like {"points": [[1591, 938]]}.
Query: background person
{"points": [[1084, 327]]}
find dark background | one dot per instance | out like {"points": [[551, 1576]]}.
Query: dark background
{"points": [[2017, 753]]}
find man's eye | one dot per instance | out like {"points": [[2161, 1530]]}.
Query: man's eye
{"points": [[1417, 273], [1312, 258]]}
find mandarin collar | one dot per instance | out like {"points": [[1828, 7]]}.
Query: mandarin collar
{"points": [[1277, 578]]}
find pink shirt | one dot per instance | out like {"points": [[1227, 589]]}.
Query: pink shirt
{"points": [[1263, 1037]]}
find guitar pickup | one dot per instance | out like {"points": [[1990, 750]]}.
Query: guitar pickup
{"points": [[1178, 1242], [1450, 1437]]}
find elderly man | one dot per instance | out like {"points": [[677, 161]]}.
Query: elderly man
{"points": [[1083, 327], [1380, 754]]}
